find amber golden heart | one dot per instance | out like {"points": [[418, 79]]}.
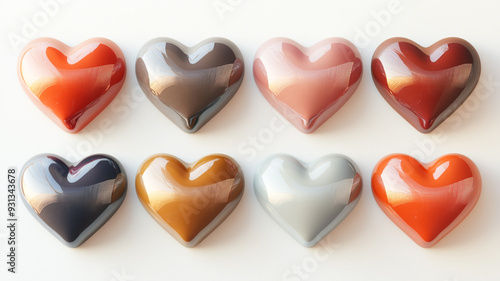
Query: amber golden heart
{"points": [[189, 200]]}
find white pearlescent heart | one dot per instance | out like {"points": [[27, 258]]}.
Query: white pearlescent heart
{"points": [[308, 200]]}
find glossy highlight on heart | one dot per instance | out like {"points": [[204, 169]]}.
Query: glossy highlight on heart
{"points": [[426, 200], [190, 85], [71, 85], [308, 200], [73, 201], [307, 85], [425, 85], [189, 200]]}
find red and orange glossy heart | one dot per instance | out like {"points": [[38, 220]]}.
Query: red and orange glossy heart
{"points": [[426, 201], [425, 85], [71, 85], [307, 85], [189, 200]]}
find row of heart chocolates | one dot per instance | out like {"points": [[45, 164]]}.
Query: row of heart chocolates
{"points": [[190, 85], [308, 200]]}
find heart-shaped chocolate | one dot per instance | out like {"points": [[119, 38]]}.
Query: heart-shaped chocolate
{"points": [[189, 85], [71, 85], [425, 85], [307, 85], [426, 201], [73, 202], [189, 200], [308, 200]]}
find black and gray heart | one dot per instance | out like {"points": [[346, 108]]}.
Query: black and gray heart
{"points": [[73, 202]]}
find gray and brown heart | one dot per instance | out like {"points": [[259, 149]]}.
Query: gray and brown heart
{"points": [[73, 202], [189, 85]]}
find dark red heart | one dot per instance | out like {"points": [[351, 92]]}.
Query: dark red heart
{"points": [[425, 85]]}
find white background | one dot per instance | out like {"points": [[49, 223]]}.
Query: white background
{"points": [[249, 245]]}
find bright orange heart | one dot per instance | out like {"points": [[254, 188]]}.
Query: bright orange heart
{"points": [[426, 201], [71, 85], [189, 200]]}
